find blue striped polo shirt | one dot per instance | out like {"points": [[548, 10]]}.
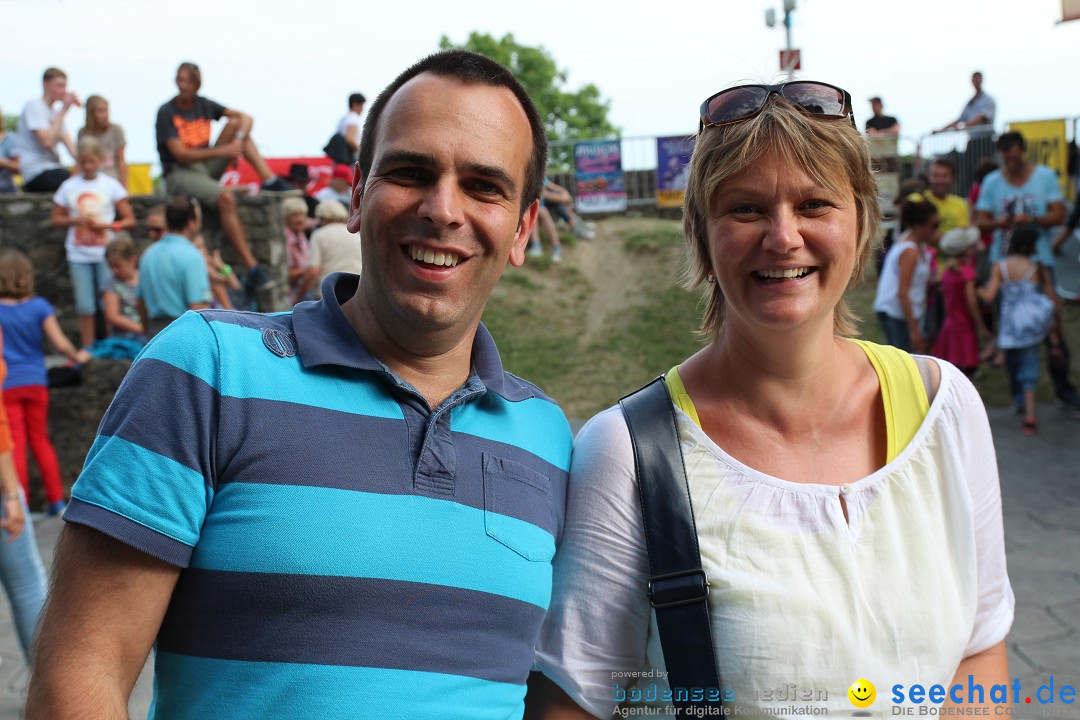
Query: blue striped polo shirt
{"points": [[348, 552]]}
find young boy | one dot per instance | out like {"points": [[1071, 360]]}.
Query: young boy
{"points": [[92, 206]]}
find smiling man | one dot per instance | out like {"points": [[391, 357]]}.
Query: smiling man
{"points": [[345, 511]]}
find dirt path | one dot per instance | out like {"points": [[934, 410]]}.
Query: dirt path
{"points": [[615, 285]]}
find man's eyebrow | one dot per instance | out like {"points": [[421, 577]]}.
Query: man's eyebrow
{"points": [[494, 173], [408, 157]]}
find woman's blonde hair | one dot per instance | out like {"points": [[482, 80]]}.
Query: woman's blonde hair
{"points": [[293, 206], [16, 275], [829, 151], [331, 210]]}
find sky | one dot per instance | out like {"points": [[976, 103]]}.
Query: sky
{"points": [[292, 65]]}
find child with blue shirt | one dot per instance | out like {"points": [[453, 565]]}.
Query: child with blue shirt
{"points": [[26, 320]]}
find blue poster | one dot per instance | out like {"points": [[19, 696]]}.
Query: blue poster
{"points": [[672, 165], [599, 176]]}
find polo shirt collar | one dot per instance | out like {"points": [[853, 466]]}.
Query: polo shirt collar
{"points": [[325, 337]]}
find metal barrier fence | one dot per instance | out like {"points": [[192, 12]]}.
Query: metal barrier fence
{"points": [[964, 150]]}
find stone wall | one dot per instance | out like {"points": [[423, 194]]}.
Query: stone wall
{"points": [[24, 225], [76, 411]]}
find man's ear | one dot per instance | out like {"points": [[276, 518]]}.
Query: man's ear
{"points": [[524, 232], [356, 195]]}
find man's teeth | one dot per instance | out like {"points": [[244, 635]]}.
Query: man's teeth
{"points": [[432, 257], [778, 274]]}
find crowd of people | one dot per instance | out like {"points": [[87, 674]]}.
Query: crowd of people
{"points": [[939, 282], [352, 510]]}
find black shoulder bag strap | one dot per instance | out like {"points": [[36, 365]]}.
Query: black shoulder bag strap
{"points": [[678, 588]]}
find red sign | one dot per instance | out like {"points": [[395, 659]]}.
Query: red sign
{"points": [[790, 60], [319, 170]]}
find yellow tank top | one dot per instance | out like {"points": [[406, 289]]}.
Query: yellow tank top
{"points": [[902, 391]]}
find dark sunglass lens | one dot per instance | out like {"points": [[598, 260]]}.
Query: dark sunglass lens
{"points": [[816, 99], [736, 103]]}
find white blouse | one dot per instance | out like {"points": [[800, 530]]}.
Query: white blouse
{"points": [[913, 582]]}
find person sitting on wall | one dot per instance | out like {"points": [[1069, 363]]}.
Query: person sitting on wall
{"points": [[339, 187], [333, 248], [345, 142], [41, 131], [560, 204], [193, 168], [172, 272]]}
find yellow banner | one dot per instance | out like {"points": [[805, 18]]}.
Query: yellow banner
{"points": [[1047, 146], [669, 198], [139, 180]]}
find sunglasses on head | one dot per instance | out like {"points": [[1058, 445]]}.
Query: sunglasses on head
{"points": [[746, 101]]}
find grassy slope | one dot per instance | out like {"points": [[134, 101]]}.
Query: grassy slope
{"points": [[612, 316]]}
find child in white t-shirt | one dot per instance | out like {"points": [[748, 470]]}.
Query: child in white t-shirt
{"points": [[92, 206]]}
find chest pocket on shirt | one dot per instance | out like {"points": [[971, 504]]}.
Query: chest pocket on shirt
{"points": [[518, 508]]}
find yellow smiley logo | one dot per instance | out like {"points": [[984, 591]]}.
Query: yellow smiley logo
{"points": [[862, 693]]}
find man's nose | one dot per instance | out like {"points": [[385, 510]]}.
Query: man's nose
{"points": [[443, 204]]}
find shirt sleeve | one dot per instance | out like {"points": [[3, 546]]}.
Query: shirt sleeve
{"points": [[164, 126], [986, 195], [214, 109], [1053, 187], [150, 474], [598, 620], [963, 211], [37, 116], [60, 196], [996, 602], [119, 192], [196, 281], [44, 309], [315, 249]]}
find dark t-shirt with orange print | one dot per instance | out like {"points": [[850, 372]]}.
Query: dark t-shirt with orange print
{"points": [[192, 126]]}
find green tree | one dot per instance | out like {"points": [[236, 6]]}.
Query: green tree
{"points": [[567, 114]]}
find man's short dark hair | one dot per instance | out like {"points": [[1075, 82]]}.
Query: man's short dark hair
{"points": [[53, 72], [474, 69], [357, 99], [945, 163], [1010, 140], [877, 100], [178, 213]]}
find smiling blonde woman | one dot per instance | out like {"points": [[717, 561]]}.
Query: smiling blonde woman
{"points": [[845, 494]]}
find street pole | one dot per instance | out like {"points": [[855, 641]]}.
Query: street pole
{"points": [[770, 20], [789, 7]]}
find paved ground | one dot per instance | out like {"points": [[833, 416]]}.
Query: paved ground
{"points": [[1041, 490]]}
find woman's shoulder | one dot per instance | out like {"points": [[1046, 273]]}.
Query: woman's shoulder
{"points": [[607, 428]]}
